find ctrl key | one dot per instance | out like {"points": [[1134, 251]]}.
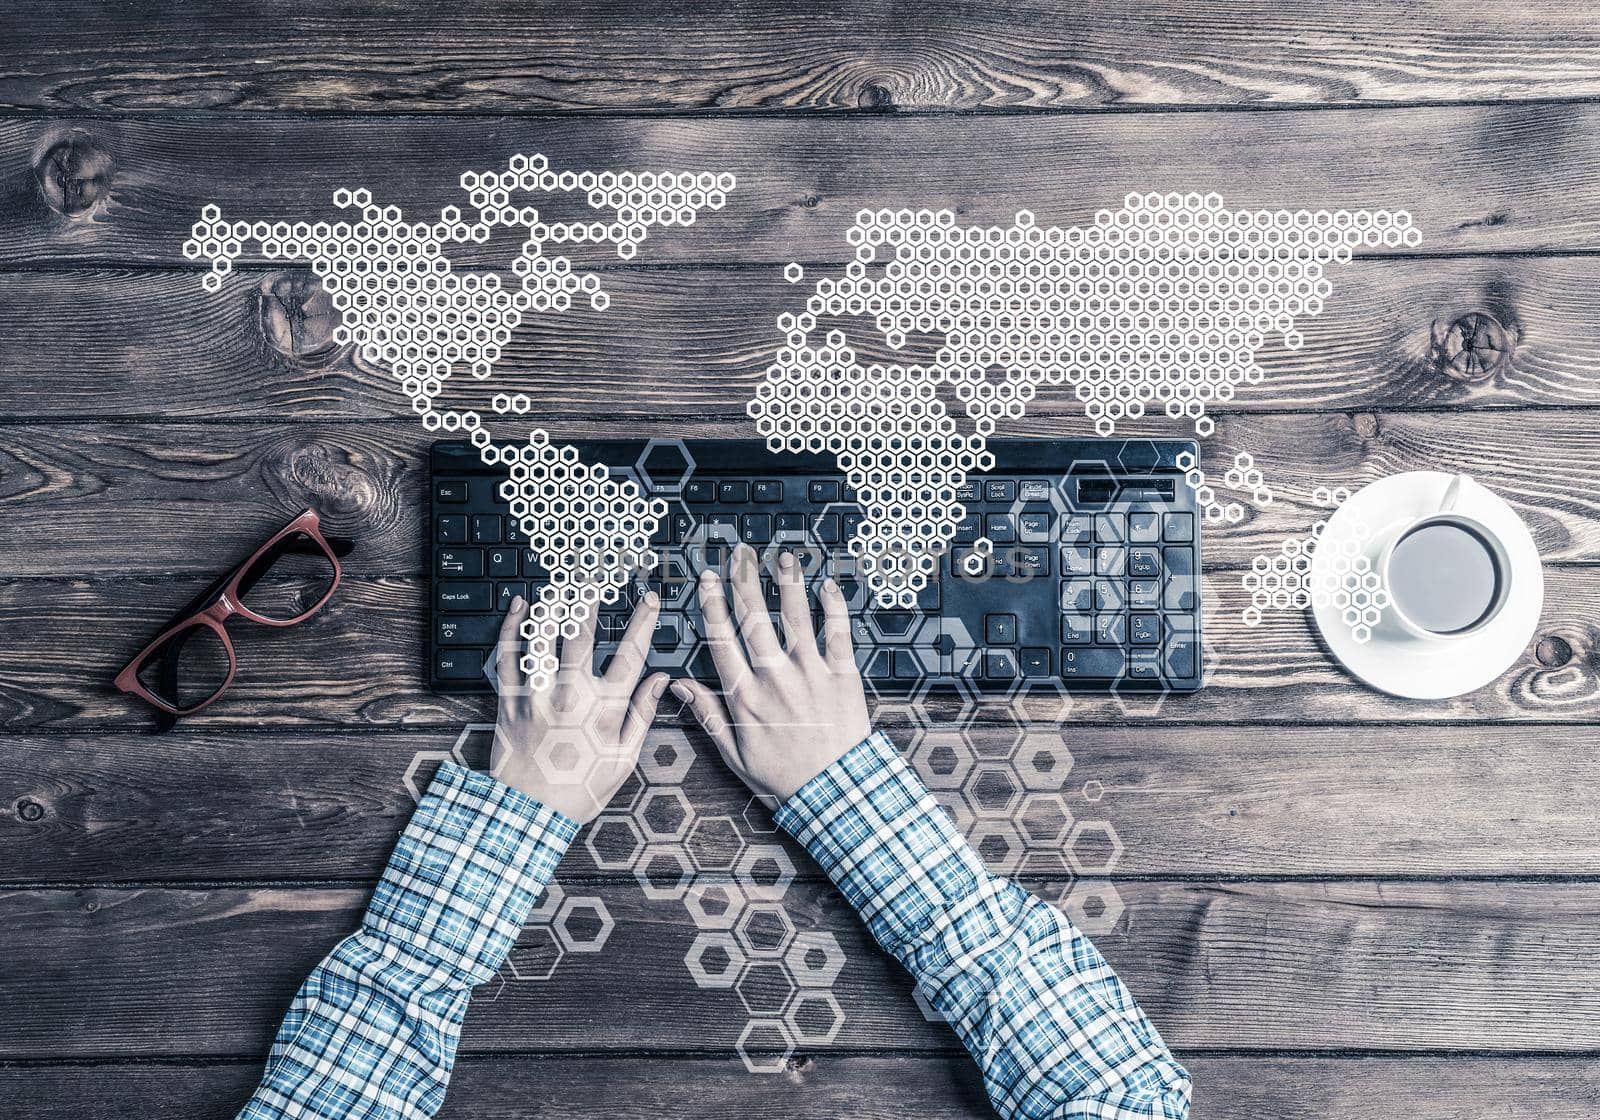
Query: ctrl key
{"points": [[458, 664], [1092, 663]]}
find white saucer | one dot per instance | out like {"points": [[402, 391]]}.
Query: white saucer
{"points": [[1421, 668]]}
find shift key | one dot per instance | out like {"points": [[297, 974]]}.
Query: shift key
{"points": [[455, 595]]}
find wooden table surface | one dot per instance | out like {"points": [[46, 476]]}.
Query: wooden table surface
{"points": [[1338, 904]]}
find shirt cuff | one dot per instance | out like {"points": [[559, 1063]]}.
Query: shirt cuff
{"points": [[467, 871], [877, 832]]}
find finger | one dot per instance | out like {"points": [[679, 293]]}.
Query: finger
{"points": [[797, 633], [508, 653], [725, 652], [578, 652], [755, 627], [629, 661], [641, 714], [836, 626], [712, 716]]}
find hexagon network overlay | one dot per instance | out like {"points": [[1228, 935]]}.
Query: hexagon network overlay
{"points": [[1167, 299], [405, 307]]}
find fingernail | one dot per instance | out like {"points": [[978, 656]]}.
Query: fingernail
{"points": [[516, 602], [708, 576], [680, 690], [786, 560], [659, 687], [651, 599], [830, 586]]}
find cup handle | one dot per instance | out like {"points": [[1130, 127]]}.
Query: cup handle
{"points": [[1452, 493]]}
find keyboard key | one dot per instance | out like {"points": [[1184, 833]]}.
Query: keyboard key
{"points": [[905, 665], [531, 568], [1110, 629], [1092, 663], [1077, 629], [878, 665], [1034, 490], [1144, 594], [1144, 664], [1077, 560], [967, 491], [1077, 596], [1178, 528], [733, 493], [468, 629], [1109, 561], [683, 525], [967, 563], [790, 523], [999, 664], [1144, 563], [505, 592], [1108, 595], [1182, 586], [514, 533], [768, 490], [454, 596], [700, 491], [1181, 658], [1035, 662], [1000, 490], [823, 491], [453, 529], [1000, 629], [969, 528], [453, 491], [502, 563], [928, 597], [459, 563], [756, 528], [723, 527], [848, 524], [486, 528], [1144, 528], [826, 528], [1029, 563], [1034, 528], [1077, 528], [1111, 528], [1144, 629], [668, 633], [1001, 528], [458, 664]]}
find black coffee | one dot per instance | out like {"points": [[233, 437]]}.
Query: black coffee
{"points": [[1444, 577]]}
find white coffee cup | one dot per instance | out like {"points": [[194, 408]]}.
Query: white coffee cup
{"points": [[1447, 575]]}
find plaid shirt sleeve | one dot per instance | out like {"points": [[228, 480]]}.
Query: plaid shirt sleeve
{"points": [[1051, 1026], [372, 1032]]}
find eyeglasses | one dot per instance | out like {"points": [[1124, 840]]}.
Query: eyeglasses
{"points": [[191, 662]]}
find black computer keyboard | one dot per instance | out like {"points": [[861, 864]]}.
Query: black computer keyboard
{"points": [[1093, 581]]}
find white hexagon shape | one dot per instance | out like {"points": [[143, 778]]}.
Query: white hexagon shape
{"points": [[666, 757], [1093, 905], [418, 761], [715, 843], [929, 1012], [1043, 760], [765, 988], [758, 813], [715, 960], [1093, 848], [765, 930], [1000, 845], [765, 1046], [993, 790], [664, 872], [765, 871], [714, 905], [942, 757], [1044, 819], [674, 465], [815, 959], [549, 903], [665, 814], [614, 842], [815, 1018], [582, 939]]}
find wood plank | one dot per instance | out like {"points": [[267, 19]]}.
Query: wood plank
{"points": [[183, 496], [1186, 801], [829, 1086], [358, 663], [495, 56], [151, 343], [1495, 967], [129, 190]]}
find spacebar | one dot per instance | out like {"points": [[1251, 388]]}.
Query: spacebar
{"points": [[1093, 662]]}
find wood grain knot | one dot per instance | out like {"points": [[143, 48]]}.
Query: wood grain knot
{"points": [[30, 811], [74, 174], [876, 97], [1553, 652], [1474, 348], [297, 317]]}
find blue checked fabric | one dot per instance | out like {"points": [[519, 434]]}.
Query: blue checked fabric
{"points": [[372, 1032], [1051, 1026]]}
